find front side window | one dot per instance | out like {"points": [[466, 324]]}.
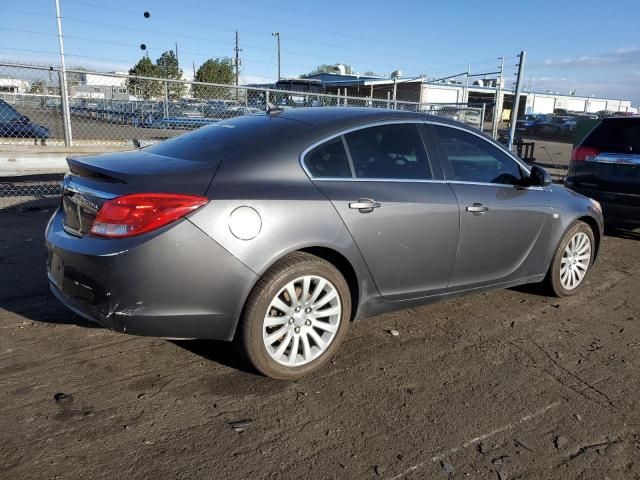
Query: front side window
{"points": [[474, 159], [392, 151], [328, 160]]}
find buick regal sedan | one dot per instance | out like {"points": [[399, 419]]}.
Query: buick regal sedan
{"points": [[275, 231]]}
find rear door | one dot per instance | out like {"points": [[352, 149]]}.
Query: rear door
{"points": [[402, 215], [504, 225]]}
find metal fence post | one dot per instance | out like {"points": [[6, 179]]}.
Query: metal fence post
{"points": [[66, 114], [497, 106], [395, 92], [64, 93], [484, 106], [166, 99], [516, 99]]}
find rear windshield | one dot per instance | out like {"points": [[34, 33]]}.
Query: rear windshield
{"points": [[7, 112], [226, 138], [618, 136]]}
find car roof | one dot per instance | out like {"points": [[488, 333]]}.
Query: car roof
{"points": [[343, 116]]}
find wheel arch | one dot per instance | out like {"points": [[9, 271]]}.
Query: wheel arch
{"points": [[331, 255], [595, 228], [344, 266]]}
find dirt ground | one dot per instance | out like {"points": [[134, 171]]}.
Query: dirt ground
{"points": [[510, 384]]}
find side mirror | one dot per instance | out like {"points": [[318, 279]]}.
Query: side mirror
{"points": [[539, 177]]}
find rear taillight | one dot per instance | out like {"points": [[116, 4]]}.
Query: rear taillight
{"points": [[131, 215], [584, 153]]}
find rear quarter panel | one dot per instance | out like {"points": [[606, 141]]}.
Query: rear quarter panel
{"points": [[294, 215]]}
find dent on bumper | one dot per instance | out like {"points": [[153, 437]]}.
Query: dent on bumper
{"points": [[177, 283]]}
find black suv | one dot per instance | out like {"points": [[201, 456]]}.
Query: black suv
{"points": [[606, 167]]}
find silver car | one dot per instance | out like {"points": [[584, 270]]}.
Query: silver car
{"points": [[275, 231]]}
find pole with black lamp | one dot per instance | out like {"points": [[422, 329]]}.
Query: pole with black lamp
{"points": [[277, 35]]}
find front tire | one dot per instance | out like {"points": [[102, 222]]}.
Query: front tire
{"points": [[295, 317], [572, 260]]}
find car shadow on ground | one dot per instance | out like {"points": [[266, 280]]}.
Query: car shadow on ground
{"points": [[628, 232], [224, 353]]}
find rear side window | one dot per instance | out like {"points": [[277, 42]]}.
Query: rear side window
{"points": [[328, 160], [474, 159], [618, 136], [391, 151]]}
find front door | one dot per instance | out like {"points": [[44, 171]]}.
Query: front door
{"points": [[504, 224]]}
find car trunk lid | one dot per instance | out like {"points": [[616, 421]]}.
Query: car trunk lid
{"points": [[93, 180]]}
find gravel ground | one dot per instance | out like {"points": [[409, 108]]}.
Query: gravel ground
{"points": [[510, 384]]}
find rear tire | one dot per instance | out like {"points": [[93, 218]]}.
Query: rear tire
{"points": [[295, 317], [572, 260]]}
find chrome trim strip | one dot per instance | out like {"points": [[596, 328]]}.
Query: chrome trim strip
{"points": [[524, 166], [390, 180], [75, 188], [344, 132], [618, 158], [501, 185]]}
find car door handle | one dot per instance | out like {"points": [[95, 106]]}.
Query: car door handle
{"points": [[477, 208], [365, 205]]}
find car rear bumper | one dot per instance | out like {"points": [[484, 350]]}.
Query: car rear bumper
{"points": [[616, 207], [175, 283]]}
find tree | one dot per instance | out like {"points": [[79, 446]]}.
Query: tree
{"points": [[168, 68], [38, 87], [144, 88], [218, 70], [324, 68]]}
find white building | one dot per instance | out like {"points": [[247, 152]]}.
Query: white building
{"points": [[98, 86], [477, 92], [14, 85]]}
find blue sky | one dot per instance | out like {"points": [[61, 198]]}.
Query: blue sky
{"points": [[589, 46]]}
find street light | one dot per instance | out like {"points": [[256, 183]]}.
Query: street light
{"points": [[277, 35]]}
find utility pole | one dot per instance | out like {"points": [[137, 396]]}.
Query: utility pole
{"points": [[395, 92], [466, 87], [277, 35], [237, 50], [516, 99], [64, 94], [497, 104], [177, 61]]}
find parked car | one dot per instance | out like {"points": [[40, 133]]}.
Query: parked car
{"points": [[569, 125], [276, 230], [529, 123], [14, 124], [555, 125], [606, 166], [604, 113]]}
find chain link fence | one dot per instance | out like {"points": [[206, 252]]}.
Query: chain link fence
{"points": [[21, 193], [112, 108]]}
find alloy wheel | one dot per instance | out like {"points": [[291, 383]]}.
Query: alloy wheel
{"points": [[302, 320], [575, 261]]}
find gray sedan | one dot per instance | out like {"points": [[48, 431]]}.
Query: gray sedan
{"points": [[275, 231]]}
